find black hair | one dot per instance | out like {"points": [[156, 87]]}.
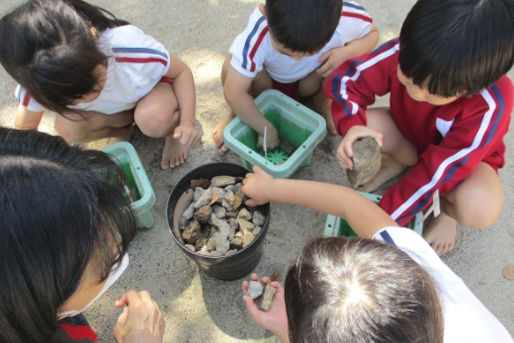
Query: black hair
{"points": [[48, 48], [303, 25], [360, 291], [62, 207], [457, 47]]}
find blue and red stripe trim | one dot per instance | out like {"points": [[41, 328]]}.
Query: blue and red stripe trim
{"points": [[248, 41]]}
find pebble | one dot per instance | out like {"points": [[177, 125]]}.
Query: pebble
{"points": [[255, 289], [258, 218], [267, 297], [222, 181], [192, 231], [366, 161], [203, 214], [244, 214], [508, 272]]}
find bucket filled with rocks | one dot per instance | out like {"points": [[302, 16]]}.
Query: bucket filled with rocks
{"points": [[210, 222]]}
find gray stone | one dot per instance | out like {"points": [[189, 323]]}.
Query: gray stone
{"points": [[186, 216], [258, 218], [198, 193], [222, 226], [257, 230], [204, 199], [245, 225], [244, 214], [222, 181], [203, 214], [366, 161], [255, 289], [190, 247], [219, 211], [228, 201], [222, 243]]}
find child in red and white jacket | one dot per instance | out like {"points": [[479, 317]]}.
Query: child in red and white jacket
{"points": [[450, 107]]}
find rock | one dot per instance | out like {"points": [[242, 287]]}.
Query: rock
{"points": [[237, 243], [222, 226], [190, 247], [258, 218], [244, 214], [231, 214], [217, 195], [222, 181], [211, 244], [257, 230], [233, 228], [215, 254], [245, 225], [267, 297], [238, 199], [222, 243], [204, 250], [508, 272], [204, 199], [192, 232], [200, 242], [239, 234], [237, 187], [186, 216], [203, 214], [228, 201], [198, 193], [255, 289], [232, 252], [248, 238], [366, 161], [231, 188], [219, 211], [203, 183]]}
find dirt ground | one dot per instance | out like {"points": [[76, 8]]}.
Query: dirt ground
{"points": [[198, 308]]}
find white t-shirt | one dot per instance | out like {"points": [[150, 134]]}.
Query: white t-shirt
{"points": [[252, 49], [136, 63], [466, 319]]}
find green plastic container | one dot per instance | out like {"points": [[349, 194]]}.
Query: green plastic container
{"points": [[336, 227], [298, 127], [137, 182]]}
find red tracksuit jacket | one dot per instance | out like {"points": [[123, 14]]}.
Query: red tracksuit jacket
{"points": [[451, 139]]}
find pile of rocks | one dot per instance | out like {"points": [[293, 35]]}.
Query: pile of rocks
{"points": [[217, 222]]}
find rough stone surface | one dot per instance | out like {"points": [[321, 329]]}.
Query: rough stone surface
{"points": [[366, 161], [255, 289], [222, 181], [203, 214], [219, 211], [267, 297], [258, 218], [192, 231]]}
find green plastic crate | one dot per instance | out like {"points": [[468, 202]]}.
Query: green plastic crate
{"points": [[143, 196], [297, 125], [336, 227]]}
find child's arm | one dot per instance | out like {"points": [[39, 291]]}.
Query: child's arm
{"points": [[26, 119], [364, 217], [337, 56], [184, 87], [236, 88]]}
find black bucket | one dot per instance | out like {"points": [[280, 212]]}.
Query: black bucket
{"points": [[229, 267]]}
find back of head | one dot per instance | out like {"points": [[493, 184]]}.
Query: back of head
{"points": [[303, 25], [48, 48], [457, 47], [359, 290], [62, 207]]}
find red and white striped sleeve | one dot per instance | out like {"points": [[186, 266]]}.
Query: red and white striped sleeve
{"points": [[475, 135], [250, 46], [26, 100]]}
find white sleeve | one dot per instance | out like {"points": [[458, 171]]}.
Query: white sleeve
{"points": [[140, 56], [466, 319], [26, 100], [355, 22], [249, 48]]}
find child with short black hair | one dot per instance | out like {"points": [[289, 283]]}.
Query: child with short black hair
{"points": [[450, 108], [388, 286], [100, 74], [292, 46]]}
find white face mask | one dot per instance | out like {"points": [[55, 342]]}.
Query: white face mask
{"points": [[115, 274]]}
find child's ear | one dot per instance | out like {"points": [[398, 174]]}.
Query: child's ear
{"points": [[262, 8], [93, 31]]}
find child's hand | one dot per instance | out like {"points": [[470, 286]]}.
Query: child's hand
{"points": [[275, 320], [140, 321], [345, 152], [256, 187], [272, 138], [331, 60], [187, 136]]}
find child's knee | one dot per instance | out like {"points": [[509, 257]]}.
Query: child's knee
{"points": [[156, 124]]}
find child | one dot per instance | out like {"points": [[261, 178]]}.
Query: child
{"points": [[64, 233], [101, 75], [450, 107], [388, 286], [291, 45]]}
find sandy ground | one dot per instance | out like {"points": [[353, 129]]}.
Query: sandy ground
{"points": [[198, 308]]}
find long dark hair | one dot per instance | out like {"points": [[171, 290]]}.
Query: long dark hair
{"points": [[61, 208], [360, 291], [48, 48], [457, 47]]}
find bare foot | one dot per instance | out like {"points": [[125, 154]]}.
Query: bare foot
{"points": [[173, 153], [217, 134], [387, 171], [441, 234]]}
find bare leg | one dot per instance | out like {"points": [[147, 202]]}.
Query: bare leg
{"points": [[476, 202], [397, 152], [260, 83], [89, 126], [311, 85], [157, 115]]}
